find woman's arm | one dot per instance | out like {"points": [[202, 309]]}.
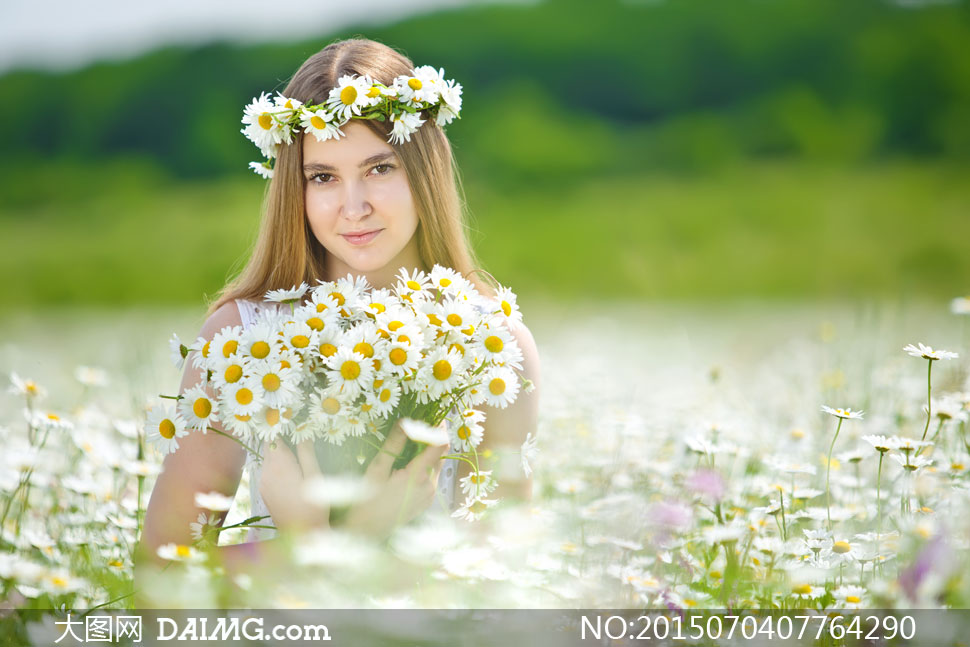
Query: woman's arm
{"points": [[204, 462], [506, 429]]}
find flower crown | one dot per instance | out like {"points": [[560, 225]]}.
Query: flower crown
{"points": [[270, 122]]}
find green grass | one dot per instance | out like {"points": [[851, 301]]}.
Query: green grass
{"points": [[124, 233]]}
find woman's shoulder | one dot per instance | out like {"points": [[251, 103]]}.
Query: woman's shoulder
{"points": [[226, 315]]}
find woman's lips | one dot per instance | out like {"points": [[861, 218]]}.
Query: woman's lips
{"points": [[361, 238]]}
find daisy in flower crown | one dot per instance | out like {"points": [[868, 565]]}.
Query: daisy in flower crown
{"points": [[362, 185]]}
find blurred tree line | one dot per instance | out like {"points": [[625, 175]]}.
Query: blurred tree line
{"points": [[561, 87]]}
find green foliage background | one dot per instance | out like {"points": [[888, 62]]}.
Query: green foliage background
{"points": [[665, 150]]}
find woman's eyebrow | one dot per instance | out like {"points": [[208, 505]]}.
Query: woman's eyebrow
{"points": [[373, 159]]}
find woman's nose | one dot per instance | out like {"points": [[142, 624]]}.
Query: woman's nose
{"points": [[356, 205]]}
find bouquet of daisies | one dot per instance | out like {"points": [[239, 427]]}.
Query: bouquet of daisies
{"points": [[342, 361]]}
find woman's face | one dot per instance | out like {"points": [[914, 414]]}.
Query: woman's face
{"points": [[359, 204]]}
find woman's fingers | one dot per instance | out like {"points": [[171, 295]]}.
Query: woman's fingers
{"points": [[380, 467]]}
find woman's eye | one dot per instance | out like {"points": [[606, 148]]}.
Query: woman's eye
{"points": [[320, 178], [387, 168]]}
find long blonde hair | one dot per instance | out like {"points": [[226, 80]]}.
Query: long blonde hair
{"points": [[286, 252]]}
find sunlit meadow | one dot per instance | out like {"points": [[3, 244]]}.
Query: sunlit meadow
{"points": [[688, 456]]}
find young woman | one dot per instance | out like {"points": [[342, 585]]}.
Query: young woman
{"points": [[352, 204]]}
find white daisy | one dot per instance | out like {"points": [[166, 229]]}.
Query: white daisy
{"points": [[350, 372], [351, 95], [91, 376], [501, 386], [467, 431], [448, 281], [213, 501], [497, 345], [845, 414], [440, 372], [180, 553], [319, 312], [478, 484], [229, 370], [320, 124], [262, 169], [164, 428], [928, 353], [474, 508], [412, 283], [200, 352], [263, 127], [405, 125], [450, 106], [384, 398], [259, 341], [198, 408], [279, 386], [243, 398], [458, 315], [402, 358], [507, 306], [225, 342], [26, 387], [529, 451], [881, 444], [421, 432], [960, 306], [292, 295], [205, 531]]}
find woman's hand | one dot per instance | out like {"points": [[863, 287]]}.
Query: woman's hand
{"points": [[398, 496], [282, 487]]}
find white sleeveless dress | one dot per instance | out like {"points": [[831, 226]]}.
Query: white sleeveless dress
{"points": [[444, 500]]}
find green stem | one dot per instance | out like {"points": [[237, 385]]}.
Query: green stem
{"points": [[231, 437], [929, 369], [828, 469]]}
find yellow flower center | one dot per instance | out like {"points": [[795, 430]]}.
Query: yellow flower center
{"points": [[478, 507], [506, 308], [348, 95], [441, 369], [853, 599], [444, 282], [385, 395], [339, 298], [300, 341], [414, 84], [350, 370], [464, 432], [327, 349], [458, 347], [398, 356], [233, 373], [259, 350], [244, 396], [364, 349], [202, 407], [265, 121], [414, 285], [243, 418], [229, 348], [497, 386], [166, 428], [493, 343], [802, 589], [53, 416], [478, 479], [182, 550], [205, 349], [454, 319], [272, 417], [405, 339], [394, 325], [271, 382], [434, 320], [315, 322], [330, 406], [317, 122], [374, 92], [841, 547]]}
